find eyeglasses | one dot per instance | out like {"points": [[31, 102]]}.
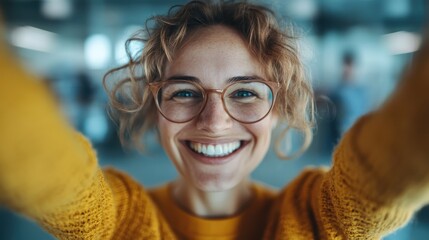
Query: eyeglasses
{"points": [[247, 101]]}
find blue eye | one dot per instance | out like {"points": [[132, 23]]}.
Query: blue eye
{"points": [[243, 94], [185, 94]]}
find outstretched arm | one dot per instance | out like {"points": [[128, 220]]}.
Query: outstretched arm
{"points": [[47, 171], [380, 175]]}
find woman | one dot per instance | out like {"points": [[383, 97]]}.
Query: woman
{"points": [[214, 80]]}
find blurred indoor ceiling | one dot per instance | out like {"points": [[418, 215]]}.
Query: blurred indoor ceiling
{"points": [[51, 15], [92, 33]]}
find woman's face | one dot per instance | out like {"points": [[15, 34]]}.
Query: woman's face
{"points": [[212, 56]]}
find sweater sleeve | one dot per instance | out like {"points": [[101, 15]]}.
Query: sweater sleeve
{"points": [[380, 175], [48, 172], [137, 216]]}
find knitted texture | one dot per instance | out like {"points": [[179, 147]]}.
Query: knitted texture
{"points": [[378, 180], [248, 223], [91, 215], [137, 217]]}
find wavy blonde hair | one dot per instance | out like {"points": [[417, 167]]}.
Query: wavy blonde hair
{"points": [[132, 105]]}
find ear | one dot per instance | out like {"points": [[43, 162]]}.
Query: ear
{"points": [[274, 120]]}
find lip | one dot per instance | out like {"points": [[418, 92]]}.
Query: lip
{"points": [[214, 160]]}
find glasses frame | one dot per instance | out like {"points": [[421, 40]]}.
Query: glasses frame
{"points": [[156, 86]]}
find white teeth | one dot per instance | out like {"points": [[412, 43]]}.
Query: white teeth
{"points": [[210, 150], [217, 150]]}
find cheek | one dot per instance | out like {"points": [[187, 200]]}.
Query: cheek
{"points": [[263, 129], [262, 136], [263, 140], [167, 130], [169, 134], [162, 130]]}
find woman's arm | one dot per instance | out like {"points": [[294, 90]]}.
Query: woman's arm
{"points": [[380, 175], [47, 171]]}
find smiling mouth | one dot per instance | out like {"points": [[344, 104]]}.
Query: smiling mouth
{"points": [[215, 150]]}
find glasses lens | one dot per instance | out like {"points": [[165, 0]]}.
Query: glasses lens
{"points": [[180, 101], [248, 101]]}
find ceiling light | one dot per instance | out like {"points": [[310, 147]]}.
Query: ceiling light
{"points": [[402, 42], [33, 38]]}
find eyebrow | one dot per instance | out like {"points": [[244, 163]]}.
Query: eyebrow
{"points": [[243, 78], [184, 77], [229, 80]]}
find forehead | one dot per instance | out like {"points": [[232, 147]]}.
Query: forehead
{"points": [[215, 52]]}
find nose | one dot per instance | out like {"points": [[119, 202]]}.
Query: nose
{"points": [[214, 117]]}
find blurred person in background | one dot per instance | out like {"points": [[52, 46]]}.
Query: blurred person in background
{"points": [[350, 98], [85, 97], [217, 79]]}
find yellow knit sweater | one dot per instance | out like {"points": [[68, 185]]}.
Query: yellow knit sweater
{"points": [[48, 172]]}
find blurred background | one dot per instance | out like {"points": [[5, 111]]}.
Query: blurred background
{"points": [[354, 50]]}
